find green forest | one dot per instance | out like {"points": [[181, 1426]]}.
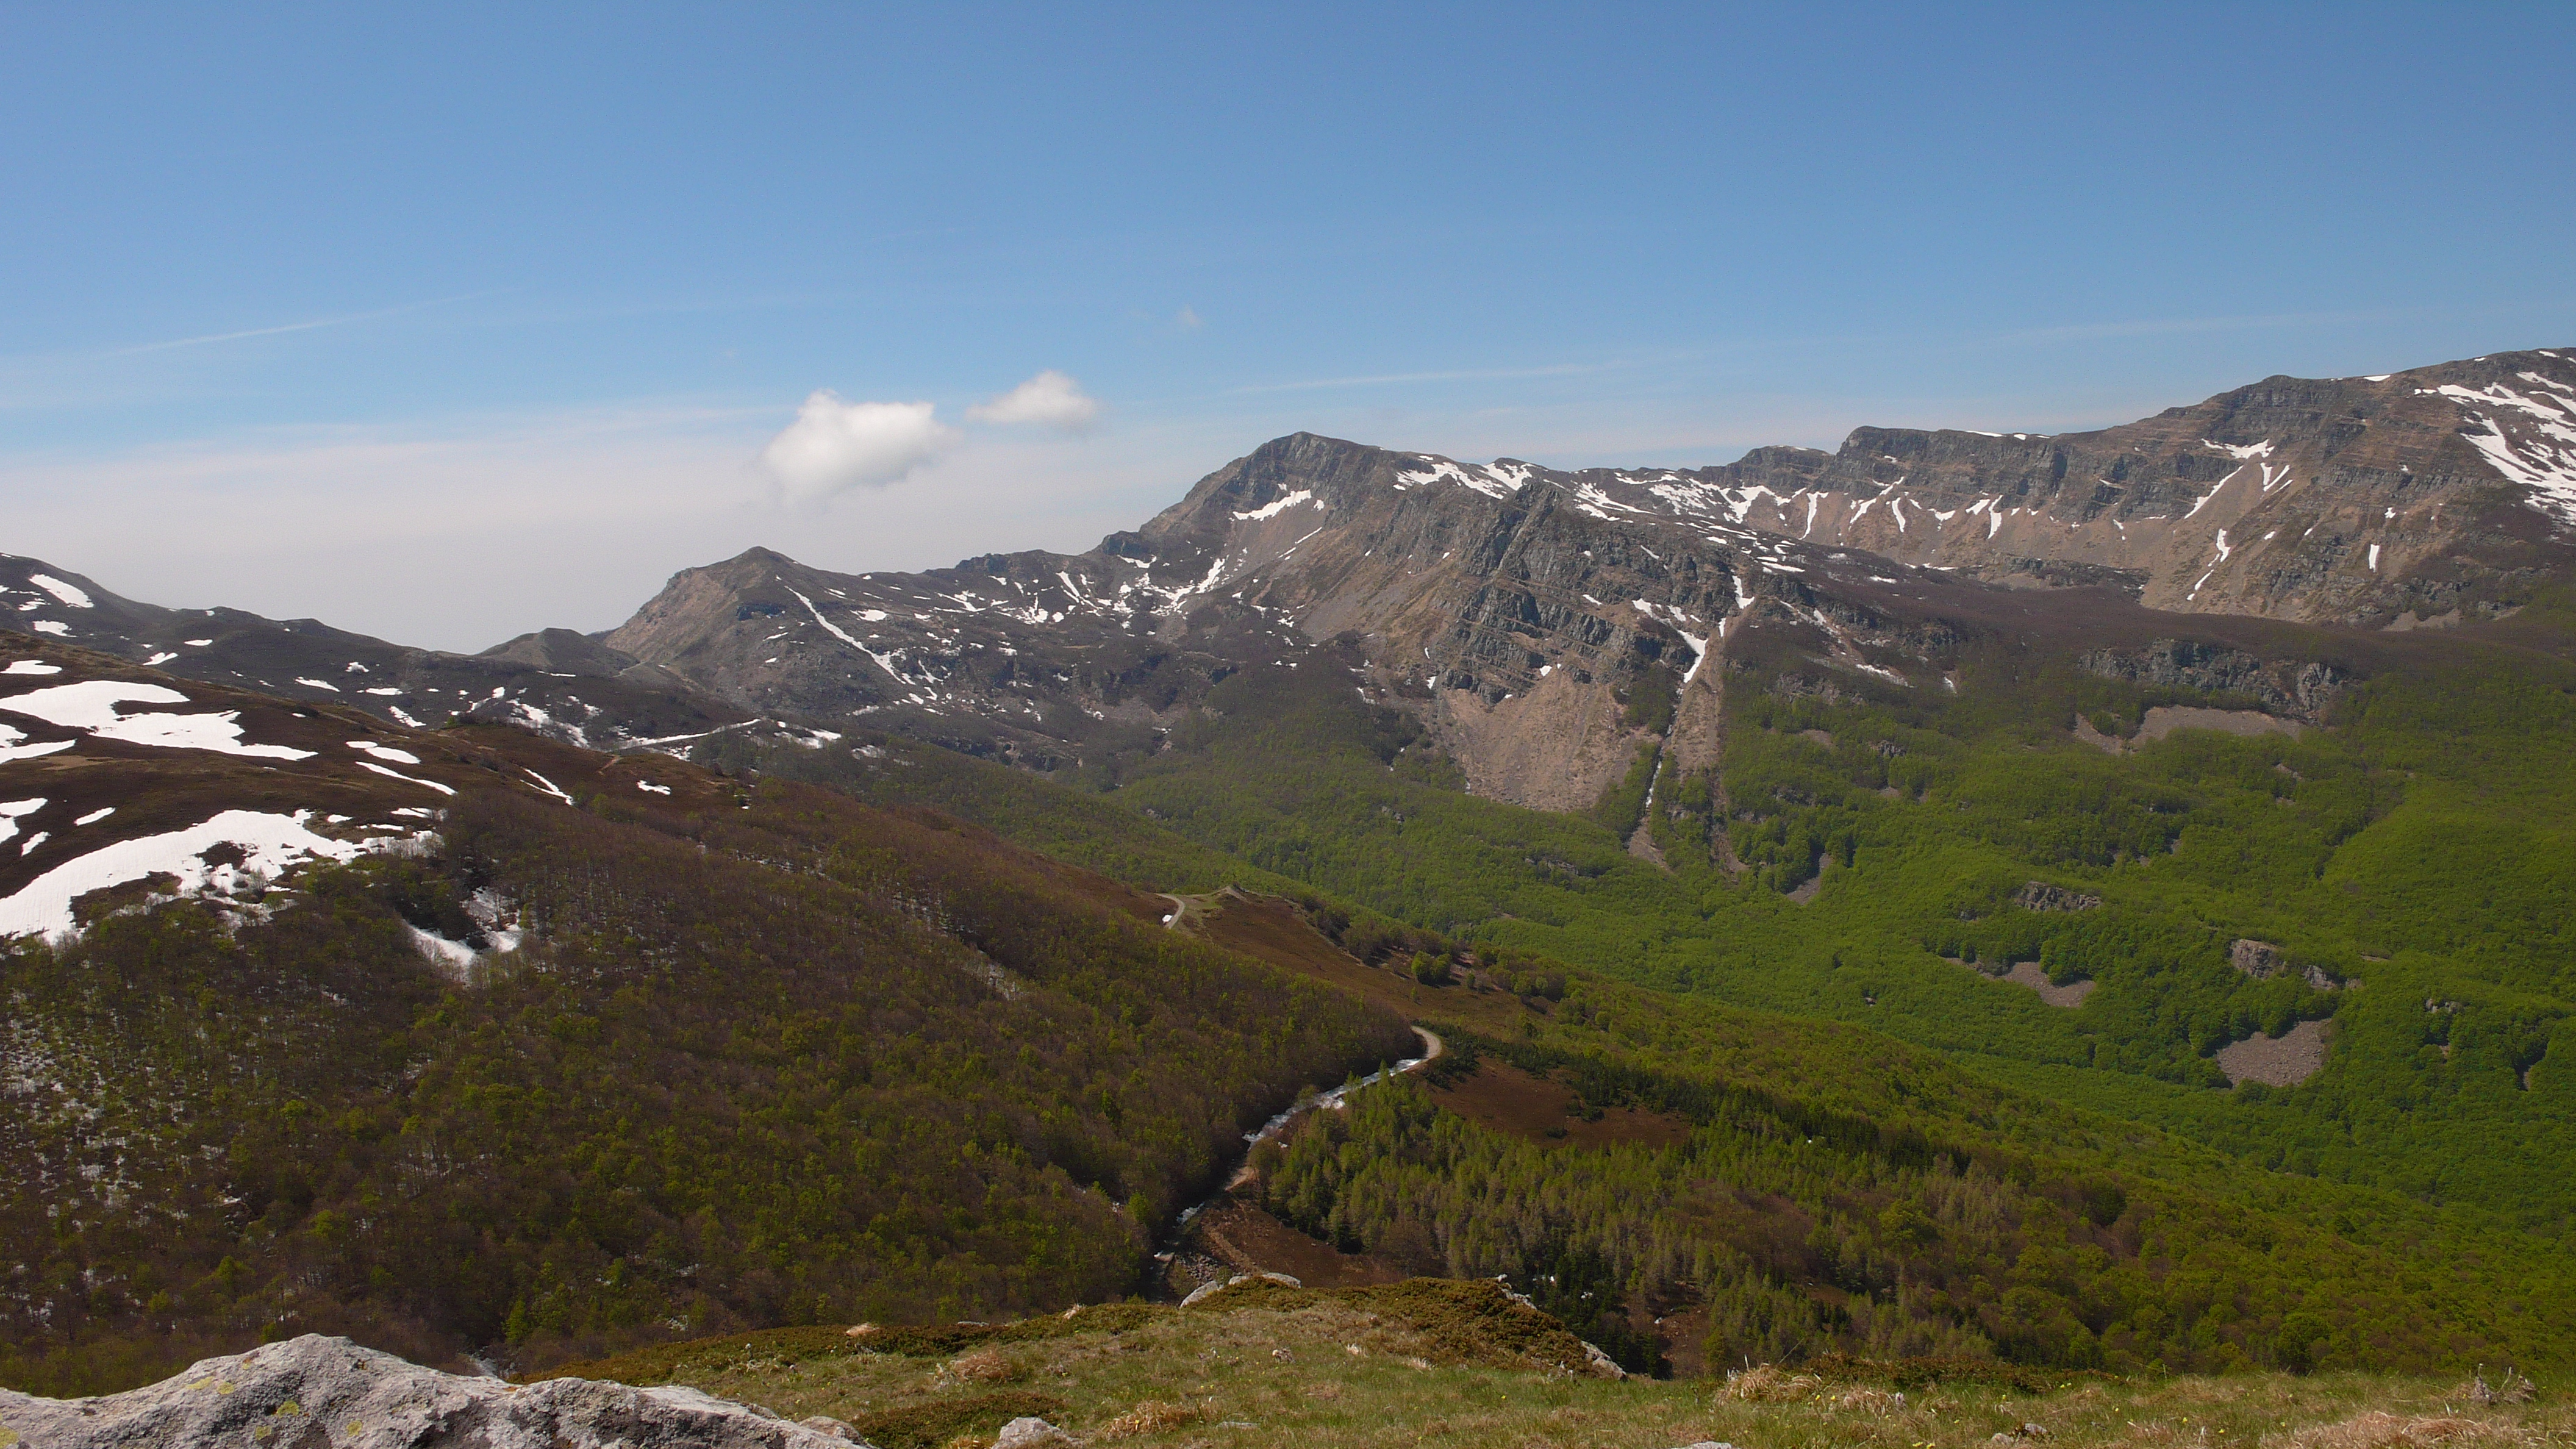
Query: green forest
{"points": [[2409, 862], [802, 1061], [1905, 1226], [2415, 854]]}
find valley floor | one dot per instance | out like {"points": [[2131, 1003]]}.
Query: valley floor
{"points": [[1330, 1370]]}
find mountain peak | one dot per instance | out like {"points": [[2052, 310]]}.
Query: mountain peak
{"points": [[564, 651]]}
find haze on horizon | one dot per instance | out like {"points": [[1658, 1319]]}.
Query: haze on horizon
{"points": [[444, 326]]}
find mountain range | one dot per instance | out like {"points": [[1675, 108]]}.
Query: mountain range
{"points": [[1516, 608]]}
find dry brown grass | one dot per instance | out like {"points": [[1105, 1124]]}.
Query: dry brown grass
{"points": [[1277, 1370], [984, 1366], [1769, 1384], [1150, 1417], [1866, 1400], [2375, 1429]]}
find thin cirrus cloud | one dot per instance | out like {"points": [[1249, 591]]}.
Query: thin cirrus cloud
{"points": [[1050, 398], [834, 446]]}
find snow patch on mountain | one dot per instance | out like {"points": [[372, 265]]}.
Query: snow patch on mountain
{"points": [[10, 810], [91, 706], [453, 958], [13, 748], [268, 844], [1492, 481], [1277, 506], [406, 779], [60, 590], [2542, 458]]}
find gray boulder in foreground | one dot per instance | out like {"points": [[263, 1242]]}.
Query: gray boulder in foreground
{"points": [[328, 1393]]}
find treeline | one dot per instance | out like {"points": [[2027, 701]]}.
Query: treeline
{"points": [[797, 1063]]}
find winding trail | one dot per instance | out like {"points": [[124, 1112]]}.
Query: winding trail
{"points": [[1185, 916], [1432, 1048]]}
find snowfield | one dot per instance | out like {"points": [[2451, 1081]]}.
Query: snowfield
{"points": [[269, 844], [91, 706]]}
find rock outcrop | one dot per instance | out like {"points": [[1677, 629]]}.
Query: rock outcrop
{"points": [[1029, 1432], [2299, 690], [2261, 959], [1206, 1291], [328, 1393], [2257, 959], [2039, 895]]}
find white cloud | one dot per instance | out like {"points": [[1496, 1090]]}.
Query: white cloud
{"points": [[1050, 398], [835, 445], [1187, 319]]}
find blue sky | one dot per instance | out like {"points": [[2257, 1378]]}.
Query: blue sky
{"points": [[448, 322]]}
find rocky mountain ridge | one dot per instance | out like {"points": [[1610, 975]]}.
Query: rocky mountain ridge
{"points": [[2309, 499], [1543, 625], [556, 682]]}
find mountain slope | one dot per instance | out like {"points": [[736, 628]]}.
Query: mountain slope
{"points": [[2337, 499], [467, 1040]]}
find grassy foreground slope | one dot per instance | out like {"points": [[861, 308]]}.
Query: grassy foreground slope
{"points": [[1408, 1365]]}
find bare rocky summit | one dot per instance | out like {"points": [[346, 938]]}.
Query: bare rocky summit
{"points": [[328, 1393]]}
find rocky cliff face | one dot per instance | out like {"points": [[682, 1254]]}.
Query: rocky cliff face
{"points": [[1537, 638], [327, 1393], [2344, 499]]}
